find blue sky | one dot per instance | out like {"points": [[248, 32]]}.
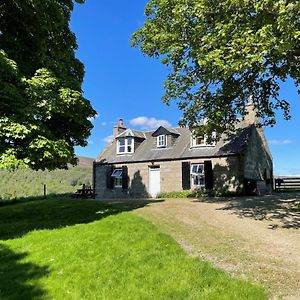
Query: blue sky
{"points": [[121, 83]]}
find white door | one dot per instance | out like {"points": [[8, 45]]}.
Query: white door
{"points": [[154, 181]]}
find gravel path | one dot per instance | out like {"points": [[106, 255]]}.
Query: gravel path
{"points": [[253, 238]]}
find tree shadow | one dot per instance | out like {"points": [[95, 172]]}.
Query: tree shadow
{"points": [[16, 276], [276, 208], [20, 218], [228, 178], [137, 187]]}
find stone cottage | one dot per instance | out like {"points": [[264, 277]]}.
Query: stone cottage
{"points": [[145, 163]]}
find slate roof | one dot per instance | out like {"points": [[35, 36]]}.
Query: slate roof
{"points": [[165, 130], [132, 133], [180, 150]]}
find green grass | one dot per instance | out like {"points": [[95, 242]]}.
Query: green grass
{"points": [[28, 183], [77, 249]]}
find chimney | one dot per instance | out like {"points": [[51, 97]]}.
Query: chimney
{"points": [[250, 117], [119, 128]]}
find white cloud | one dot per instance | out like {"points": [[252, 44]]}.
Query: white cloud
{"points": [[149, 123], [280, 142], [108, 139]]}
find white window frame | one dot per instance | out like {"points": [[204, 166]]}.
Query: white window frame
{"points": [[118, 181], [205, 138], [117, 175], [126, 145], [194, 141], [161, 141], [197, 174]]}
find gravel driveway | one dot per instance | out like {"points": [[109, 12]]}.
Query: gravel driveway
{"points": [[256, 238]]}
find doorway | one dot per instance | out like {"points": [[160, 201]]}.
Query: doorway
{"points": [[154, 181]]}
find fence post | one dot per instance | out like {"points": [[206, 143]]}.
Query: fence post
{"points": [[45, 191]]}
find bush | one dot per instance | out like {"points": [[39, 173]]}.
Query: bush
{"points": [[195, 194], [182, 194]]}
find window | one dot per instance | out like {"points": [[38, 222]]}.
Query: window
{"points": [[117, 175], [118, 182], [125, 145], [198, 141], [197, 173], [161, 141]]}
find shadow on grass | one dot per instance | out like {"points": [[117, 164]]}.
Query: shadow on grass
{"points": [[19, 218], [17, 278], [277, 208]]}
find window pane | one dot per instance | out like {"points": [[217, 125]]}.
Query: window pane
{"points": [[117, 173], [122, 149], [129, 141], [161, 140], [198, 180], [200, 168], [194, 168], [118, 181], [122, 142], [199, 140], [197, 169]]}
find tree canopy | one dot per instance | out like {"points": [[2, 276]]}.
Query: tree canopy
{"points": [[221, 53], [44, 114]]}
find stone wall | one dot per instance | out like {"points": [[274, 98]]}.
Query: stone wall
{"points": [[258, 170], [257, 157], [227, 173]]}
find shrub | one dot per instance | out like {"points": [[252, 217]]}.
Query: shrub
{"points": [[195, 194], [181, 194]]}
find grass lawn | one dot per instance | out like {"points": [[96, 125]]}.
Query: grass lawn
{"points": [[78, 249]]}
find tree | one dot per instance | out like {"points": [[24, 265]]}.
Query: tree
{"points": [[43, 112], [220, 53]]}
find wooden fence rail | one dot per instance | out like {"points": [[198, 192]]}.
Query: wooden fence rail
{"points": [[287, 183]]}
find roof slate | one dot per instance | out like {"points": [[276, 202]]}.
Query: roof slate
{"points": [[132, 133], [165, 130], [180, 150]]}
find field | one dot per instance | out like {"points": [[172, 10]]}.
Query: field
{"points": [[78, 249], [28, 183]]}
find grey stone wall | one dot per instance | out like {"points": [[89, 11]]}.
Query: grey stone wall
{"points": [[227, 173], [257, 158], [137, 182]]}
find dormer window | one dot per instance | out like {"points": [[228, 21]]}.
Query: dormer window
{"points": [[161, 141], [125, 145], [199, 141]]}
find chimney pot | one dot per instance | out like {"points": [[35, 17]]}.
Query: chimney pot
{"points": [[119, 128]]}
